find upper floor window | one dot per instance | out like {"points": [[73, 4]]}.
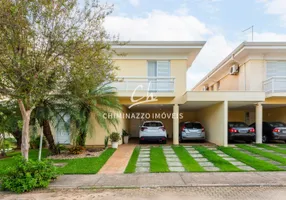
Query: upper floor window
{"points": [[275, 68], [159, 68]]}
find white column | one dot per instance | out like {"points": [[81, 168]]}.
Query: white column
{"points": [[225, 129], [176, 124], [258, 122]]}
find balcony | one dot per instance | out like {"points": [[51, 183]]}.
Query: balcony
{"points": [[137, 84], [275, 86]]}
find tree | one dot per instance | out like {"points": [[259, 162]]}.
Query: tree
{"points": [[49, 45], [99, 103]]}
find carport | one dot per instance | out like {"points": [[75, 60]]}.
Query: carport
{"points": [[212, 110]]}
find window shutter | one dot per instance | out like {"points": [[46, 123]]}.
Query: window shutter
{"points": [[275, 68], [163, 68]]}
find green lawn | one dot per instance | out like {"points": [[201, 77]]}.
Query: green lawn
{"points": [[85, 165], [158, 161], [131, 167], [276, 149], [218, 161], [74, 166], [281, 145], [263, 153], [257, 164], [189, 163]]}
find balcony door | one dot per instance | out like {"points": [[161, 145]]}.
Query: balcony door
{"points": [[276, 76], [157, 70]]}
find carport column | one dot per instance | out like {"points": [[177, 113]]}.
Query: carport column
{"points": [[225, 124], [175, 124], [258, 119]]}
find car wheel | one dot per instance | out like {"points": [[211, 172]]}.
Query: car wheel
{"points": [[164, 142], [264, 139]]}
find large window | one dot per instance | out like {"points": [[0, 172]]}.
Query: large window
{"points": [[157, 70], [275, 68]]}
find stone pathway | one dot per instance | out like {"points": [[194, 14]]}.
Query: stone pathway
{"points": [[232, 160], [143, 162], [278, 164], [202, 161], [173, 161]]}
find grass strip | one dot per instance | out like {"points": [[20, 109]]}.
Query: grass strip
{"points": [[158, 161], [276, 149], [85, 165], [218, 161], [251, 161], [269, 155], [131, 167], [189, 163]]}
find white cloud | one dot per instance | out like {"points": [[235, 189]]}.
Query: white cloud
{"points": [[268, 36], [276, 7], [134, 3]]}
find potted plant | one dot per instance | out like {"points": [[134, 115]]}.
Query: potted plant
{"points": [[125, 135], [114, 138]]}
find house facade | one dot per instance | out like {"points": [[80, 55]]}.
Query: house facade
{"points": [[246, 86]]}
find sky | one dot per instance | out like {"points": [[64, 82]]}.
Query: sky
{"points": [[219, 22]]}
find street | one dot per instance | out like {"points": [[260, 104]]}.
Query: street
{"points": [[185, 193]]}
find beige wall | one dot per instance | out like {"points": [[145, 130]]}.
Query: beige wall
{"points": [[229, 83], [236, 116], [214, 119], [275, 114], [252, 76]]}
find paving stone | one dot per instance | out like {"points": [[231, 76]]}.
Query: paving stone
{"points": [[144, 156], [170, 155], [174, 164], [262, 158], [282, 167], [144, 153], [177, 169], [212, 169], [60, 164], [201, 159], [173, 159], [223, 155], [143, 164], [206, 164], [247, 168], [142, 169], [237, 163], [274, 162], [193, 151], [196, 155], [143, 160], [230, 159], [212, 148]]}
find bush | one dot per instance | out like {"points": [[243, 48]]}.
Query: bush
{"points": [[114, 137], [35, 142], [76, 150], [124, 133], [28, 175]]}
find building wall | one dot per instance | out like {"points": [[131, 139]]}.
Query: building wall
{"points": [[275, 114], [229, 83], [214, 119]]}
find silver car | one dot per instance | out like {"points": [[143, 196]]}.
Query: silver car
{"points": [[191, 131]]}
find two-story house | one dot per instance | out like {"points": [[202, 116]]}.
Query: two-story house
{"points": [[252, 67]]}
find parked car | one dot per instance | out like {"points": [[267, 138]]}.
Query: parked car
{"points": [[153, 131], [240, 131], [273, 131], [191, 131]]}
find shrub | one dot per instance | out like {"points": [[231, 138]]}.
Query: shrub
{"points": [[28, 175], [35, 142], [105, 142], [124, 133], [114, 137], [76, 150]]}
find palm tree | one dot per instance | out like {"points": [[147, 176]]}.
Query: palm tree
{"points": [[98, 103]]}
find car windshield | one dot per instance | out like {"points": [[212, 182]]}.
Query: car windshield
{"points": [[193, 125], [277, 124], [237, 124], [153, 124]]}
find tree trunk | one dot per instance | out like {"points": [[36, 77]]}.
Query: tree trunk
{"points": [[81, 138], [49, 136], [26, 115], [18, 136]]}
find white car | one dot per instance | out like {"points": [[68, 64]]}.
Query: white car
{"points": [[153, 131]]}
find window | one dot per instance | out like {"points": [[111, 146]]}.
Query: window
{"points": [[159, 69], [275, 68]]}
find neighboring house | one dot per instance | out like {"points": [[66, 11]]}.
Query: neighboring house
{"points": [[160, 69]]}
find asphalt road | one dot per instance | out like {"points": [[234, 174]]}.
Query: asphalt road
{"points": [[194, 193]]}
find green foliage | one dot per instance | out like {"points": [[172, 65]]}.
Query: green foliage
{"points": [[28, 175], [76, 150], [114, 137], [105, 142], [131, 167], [35, 142], [125, 133], [158, 162]]}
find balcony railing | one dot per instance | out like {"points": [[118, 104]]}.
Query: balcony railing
{"points": [[275, 84], [150, 84]]}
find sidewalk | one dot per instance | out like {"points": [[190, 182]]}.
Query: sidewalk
{"points": [[171, 180], [118, 161]]}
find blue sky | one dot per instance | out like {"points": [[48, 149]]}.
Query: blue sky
{"points": [[219, 22]]}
